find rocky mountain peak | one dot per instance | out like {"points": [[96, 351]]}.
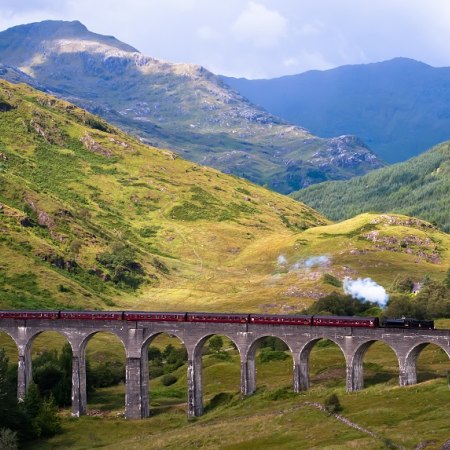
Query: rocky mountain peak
{"points": [[27, 43], [183, 107]]}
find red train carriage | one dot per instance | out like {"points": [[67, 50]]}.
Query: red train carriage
{"points": [[155, 316], [91, 315], [24, 315], [344, 321], [217, 317], [280, 319]]}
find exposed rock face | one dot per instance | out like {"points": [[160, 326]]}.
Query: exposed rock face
{"points": [[93, 146], [178, 106]]}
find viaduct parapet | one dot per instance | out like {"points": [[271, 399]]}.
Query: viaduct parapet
{"points": [[137, 336]]}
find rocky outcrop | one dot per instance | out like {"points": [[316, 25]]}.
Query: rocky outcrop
{"points": [[93, 146]]}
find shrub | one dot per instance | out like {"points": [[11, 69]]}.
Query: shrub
{"points": [[268, 354], [330, 279], [273, 343], [155, 371], [332, 404], [108, 374], [8, 439], [215, 344], [47, 423], [122, 264], [220, 399], [169, 379]]}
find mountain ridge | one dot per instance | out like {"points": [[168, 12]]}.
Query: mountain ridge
{"points": [[185, 108], [398, 107]]}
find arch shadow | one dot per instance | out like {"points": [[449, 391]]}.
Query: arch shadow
{"points": [[303, 375]]}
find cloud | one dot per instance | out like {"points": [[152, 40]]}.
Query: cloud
{"points": [[366, 289], [258, 38], [208, 33], [260, 26]]}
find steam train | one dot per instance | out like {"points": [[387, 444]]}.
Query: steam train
{"points": [[266, 319]]}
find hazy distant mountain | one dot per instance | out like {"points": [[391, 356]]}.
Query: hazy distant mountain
{"points": [[179, 106], [419, 187], [399, 108]]}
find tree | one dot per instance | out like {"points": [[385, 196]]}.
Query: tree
{"points": [[8, 401], [403, 284], [447, 279], [122, 264], [332, 404], [47, 421], [215, 344]]}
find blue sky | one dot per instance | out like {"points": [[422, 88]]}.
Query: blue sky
{"points": [[259, 38]]}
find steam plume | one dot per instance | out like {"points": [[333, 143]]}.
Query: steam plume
{"points": [[281, 260], [312, 261], [366, 289]]}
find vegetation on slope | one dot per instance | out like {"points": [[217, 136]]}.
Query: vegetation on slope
{"points": [[419, 187], [92, 218], [89, 214]]}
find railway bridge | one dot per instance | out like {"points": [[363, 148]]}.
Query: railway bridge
{"points": [[136, 336]]}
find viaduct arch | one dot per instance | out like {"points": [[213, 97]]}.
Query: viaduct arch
{"points": [[136, 337]]}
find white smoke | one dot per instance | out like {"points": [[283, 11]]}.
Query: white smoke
{"points": [[312, 261], [282, 260], [366, 289]]}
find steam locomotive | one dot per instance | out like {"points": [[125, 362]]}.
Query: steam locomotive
{"points": [[266, 319]]}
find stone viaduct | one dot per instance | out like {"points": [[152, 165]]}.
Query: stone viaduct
{"points": [[137, 336]]}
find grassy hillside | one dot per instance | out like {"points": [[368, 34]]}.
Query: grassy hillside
{"points": [[419, 187], [88, 213], [92, 218]]}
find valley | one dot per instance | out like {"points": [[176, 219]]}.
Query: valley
{"points": [[128, 183]]}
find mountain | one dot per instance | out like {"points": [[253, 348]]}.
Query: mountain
{"points": [[93, 218], [400, 108], [178, 106], [418, 187]]}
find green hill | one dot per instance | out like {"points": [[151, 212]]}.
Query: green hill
{"points": [[419, 187], [93, 218], [89, 213]]}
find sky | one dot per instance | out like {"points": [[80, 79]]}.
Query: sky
{"points": [[258, 38]]}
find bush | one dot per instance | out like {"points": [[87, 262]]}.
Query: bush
{"points": [[273, 343], [332, 404], [220, 399], [215, 344], [339, 305], [169, 379], [403, 284], [124, 269], [108, 374], [8, 439], [330, 279], [155, 371], [47, 423], [268, 354]]}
